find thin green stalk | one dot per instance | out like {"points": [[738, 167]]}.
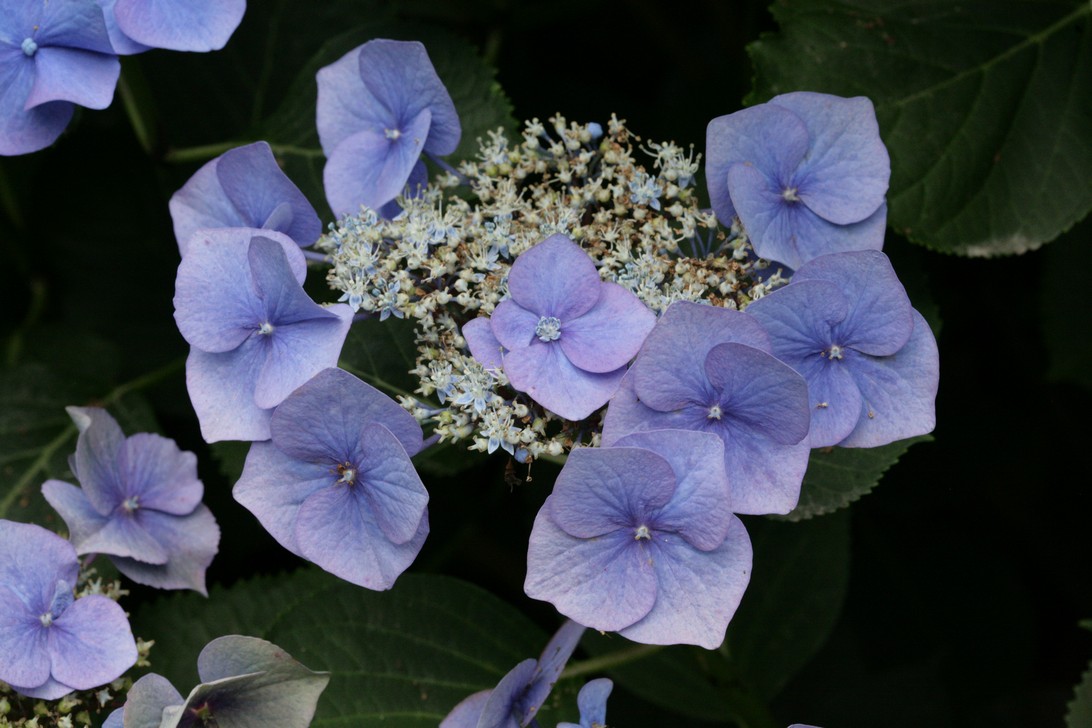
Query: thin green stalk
{"points": [[602, 663], [137, 100], [208, 151]]}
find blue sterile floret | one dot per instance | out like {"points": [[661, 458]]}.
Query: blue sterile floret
{"points": [[52, 643], [139, 504], [846, 324], [254, 334], [379, 108], [244, 681], [806, 173], [564, 336], [592, 701], [639, 538], [709, 369], [335, 484]]}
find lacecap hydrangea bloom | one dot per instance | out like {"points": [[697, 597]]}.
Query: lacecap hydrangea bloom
{"points": [[516, 699], [335, 484], [139, 504], [54, 55], [639, 538], [379, 108], [50, 642], [254, 334], [180, 25], [243, 188], [564, 336], [245, 681], [846, 324], [709, 369], [806, 173]]}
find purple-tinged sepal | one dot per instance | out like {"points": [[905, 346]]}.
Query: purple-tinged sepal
{"points": [[178, 25]]}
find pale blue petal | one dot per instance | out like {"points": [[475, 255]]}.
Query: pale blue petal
{"points": [[323, 420], [180, 25], [501, 708], [71, 74], [146, 700], [512, 325], [699, 591], [543, 372], [391, 484], [548, 670], [764, 475], [190, 542], [221, 388], [91, 643], [23, 642], [468, 711], [161, 476], [71, 503], [483, 345], [32, 561], [606, 583], [555, 278], [96, 458], [338, 532], [610, 333], [899, 392], [23, 131]]}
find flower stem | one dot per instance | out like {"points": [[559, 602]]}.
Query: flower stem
{"points": [[609, 660], [208, 151], [137, 101]]}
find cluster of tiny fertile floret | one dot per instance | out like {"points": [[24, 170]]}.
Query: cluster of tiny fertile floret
{"points": [[77, 708], [445, 259]]}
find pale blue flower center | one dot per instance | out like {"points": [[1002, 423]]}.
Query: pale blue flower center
{"points": [[46, 619], [715, 412], [548, 328], [834, 352], [347, 473], [29, 47], [265, 329], [130, 504], [789, 195], [392, 134], [642, 533]]}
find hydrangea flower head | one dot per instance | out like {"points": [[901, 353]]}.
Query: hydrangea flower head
{"points": [[379, 107], [336, 485], [254, 334], [639, 538], [516, 699], [52, 643], [179, 25], [710, 369], [140, 504], [846, 324], [806, 173], [243, 188], [592, 702], [245, 681], [53, 55], [566, 335]]}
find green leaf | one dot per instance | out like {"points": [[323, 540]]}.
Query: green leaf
{"points": [[382, 353], [481, 104], [401, 658], [837, 476], [984, 106], [1079, 714], [796, 592]]}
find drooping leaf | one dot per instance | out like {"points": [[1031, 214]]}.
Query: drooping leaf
{"points": [[798, 584], [984, 106], [401, 658], [837, 476]]}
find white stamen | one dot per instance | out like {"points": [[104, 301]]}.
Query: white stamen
{"points": [[548, 328], [642, 533]]}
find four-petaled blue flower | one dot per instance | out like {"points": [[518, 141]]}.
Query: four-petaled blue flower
{"points": [[639, 538], [379, 107], [806, 173], [845, 323], [243, 188], [179, 25], [245, 681], [709, 369], [50, 642], [53, 55], [140, 504], [254, 334], [566, 335], [518, 696], [336, 485]]}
